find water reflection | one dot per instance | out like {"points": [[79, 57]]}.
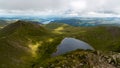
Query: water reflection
{"points": [[70, 44]]}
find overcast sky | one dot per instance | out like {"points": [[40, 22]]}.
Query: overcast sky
{"points": [[61, 7]]}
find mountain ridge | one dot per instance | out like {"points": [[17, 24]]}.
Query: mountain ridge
{"points": [[15, 39], [30, 45]]}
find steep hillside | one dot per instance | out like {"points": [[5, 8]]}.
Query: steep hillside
{"points": [[26, 27], [19, 42], [104, 38], [100, 37], [30, 45]]}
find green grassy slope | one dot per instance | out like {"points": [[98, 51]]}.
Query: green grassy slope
{"points": [[19, 43], [100, 37], [103, 38], [27, 45]]}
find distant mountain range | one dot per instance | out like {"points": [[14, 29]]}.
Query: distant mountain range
{"points": [[74, 21]]}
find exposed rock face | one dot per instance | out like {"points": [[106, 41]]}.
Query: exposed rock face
{"points": [[87, 59], [102, 60]]}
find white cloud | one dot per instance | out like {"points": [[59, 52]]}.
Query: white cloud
{"points": [[78, 5], [96, 14], [61, 7]]}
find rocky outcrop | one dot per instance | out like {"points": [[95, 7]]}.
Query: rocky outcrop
{"points": [[87, 59]]}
